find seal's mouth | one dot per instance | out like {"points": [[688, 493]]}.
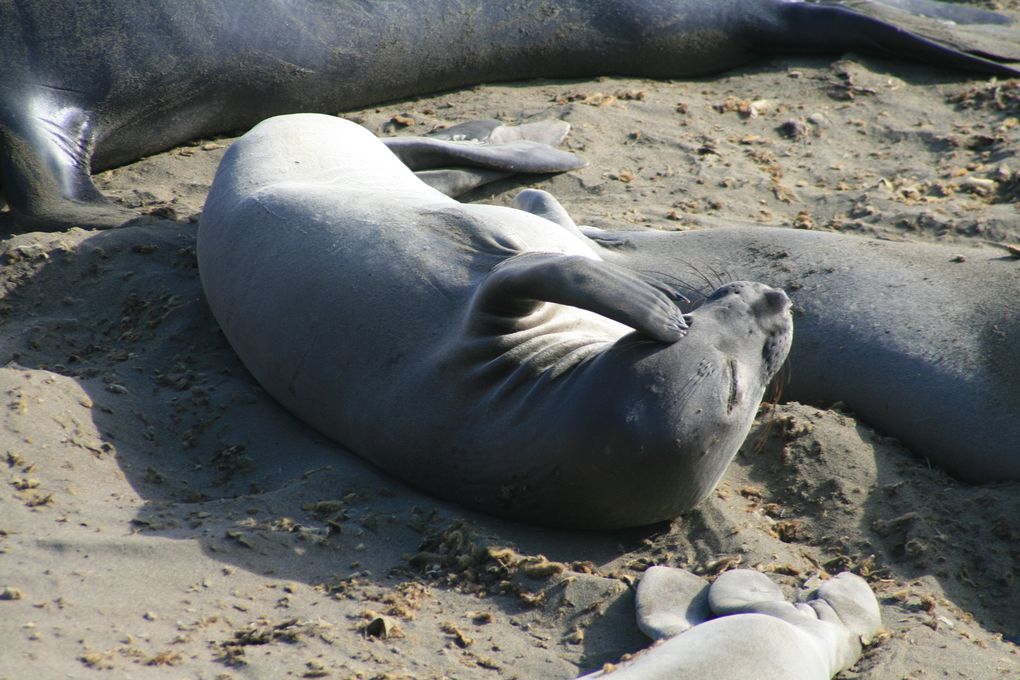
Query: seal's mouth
{"points": [[733, 398], [773, 309], [775, 348], [772, 301]]}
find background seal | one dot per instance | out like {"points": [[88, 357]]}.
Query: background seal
{"points": [[916, 338], [91, 85]]}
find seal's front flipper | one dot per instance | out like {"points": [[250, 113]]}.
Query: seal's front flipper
{"points": [[519, 285], [607, 239], [545, 205], [469, 155], [918, 30], [45, 154]]}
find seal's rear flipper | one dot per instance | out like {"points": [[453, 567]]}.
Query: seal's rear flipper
{"points": [[550, 132], [517, 156], [919, 30], [472, 154], [44, 169], [757, 633], [670, 601], [848, 600], [471, 131], [458, 181]]}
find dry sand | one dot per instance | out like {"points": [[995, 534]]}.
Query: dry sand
{"points": [[160, 516]]}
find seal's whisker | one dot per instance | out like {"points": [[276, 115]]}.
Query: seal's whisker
{"points": [[675, 282], [694, 293]]}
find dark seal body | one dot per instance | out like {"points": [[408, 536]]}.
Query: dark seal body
{"points": [[90, 84], [922, 341], [480, 353]]}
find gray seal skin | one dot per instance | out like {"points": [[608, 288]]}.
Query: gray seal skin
{"points": [[480, 353], [920, 340], [91, 84]]}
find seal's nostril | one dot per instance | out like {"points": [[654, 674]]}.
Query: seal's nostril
{"points": [[776, 300]]}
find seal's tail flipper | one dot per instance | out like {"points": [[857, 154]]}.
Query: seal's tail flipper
{"points": [[919, 30], [943, 11], [469, 155]]}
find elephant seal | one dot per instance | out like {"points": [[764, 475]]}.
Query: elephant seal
{"points": [[91, 84], [479, 353], [920, 340], [742, 627]]}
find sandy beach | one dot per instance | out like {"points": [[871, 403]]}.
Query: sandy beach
{"points": [[160, 516]]}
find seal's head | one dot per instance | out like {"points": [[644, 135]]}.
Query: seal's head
{"points": [[678, 411], [753, 310]]}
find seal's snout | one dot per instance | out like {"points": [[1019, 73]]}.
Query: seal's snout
{"points": [[773, 312], [763, 301], [770, 301], [776, 300]]}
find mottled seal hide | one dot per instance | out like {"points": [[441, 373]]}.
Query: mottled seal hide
{"points": [[480, 353], [90, 84]]}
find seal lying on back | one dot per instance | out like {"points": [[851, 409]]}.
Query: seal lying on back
{"points": [[91, 84], [922, 341], [477, 352]]}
